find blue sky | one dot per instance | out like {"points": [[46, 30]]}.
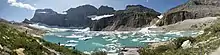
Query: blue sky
{"points": [[18, 10]]}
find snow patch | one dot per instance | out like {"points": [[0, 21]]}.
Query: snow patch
{"points": [[160, 17], [42, 12], [100, 17]]}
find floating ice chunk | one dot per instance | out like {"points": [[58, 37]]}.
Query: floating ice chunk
{"points": [[151, 41], [85, 38], [135, 40], [74, 36], [105, 37], [98, 44], [82, 30], [115, 41], [72, 41], [70, 45], [124, 37]]}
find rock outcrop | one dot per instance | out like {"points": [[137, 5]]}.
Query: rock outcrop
{"points": [[104, 10], [27, 21], [75, 17], [133, 17], [193, 9]]}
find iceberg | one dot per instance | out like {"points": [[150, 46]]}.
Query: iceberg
{"points": [[71, 45], [85, 38], [74, 36], [72, 41]]}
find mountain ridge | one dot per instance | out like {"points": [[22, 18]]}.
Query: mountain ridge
{"points": [[78, 17]]}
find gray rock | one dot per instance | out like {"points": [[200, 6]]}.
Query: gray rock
{"points": [[4, 53], [192, 9], [186, 44], [6, 49], [1, 46]]}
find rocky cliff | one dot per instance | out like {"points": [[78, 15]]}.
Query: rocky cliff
{"points": [[48, 16], [193, 9], [75, 17], [133, 17]]}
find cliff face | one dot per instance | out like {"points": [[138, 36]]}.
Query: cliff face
{"points": [[75, 17], [133, 17], [48, 16], [103, 10], [191, 10]]}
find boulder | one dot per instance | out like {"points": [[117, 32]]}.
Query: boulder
{"points": [[186, 44], [1, 46]]}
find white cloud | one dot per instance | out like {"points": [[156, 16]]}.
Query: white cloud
{"points": [[21, 5]]}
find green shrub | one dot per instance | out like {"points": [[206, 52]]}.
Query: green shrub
{"points": [[99, 53]]}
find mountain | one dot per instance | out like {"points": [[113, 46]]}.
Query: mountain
{"points": [[75, 17], [48, 16], [133, 17], [193, 9]]}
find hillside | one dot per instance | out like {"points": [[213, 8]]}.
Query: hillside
{"points": [[13, 42]]}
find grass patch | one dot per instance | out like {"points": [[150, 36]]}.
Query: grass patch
{"points": [[13, 39]]}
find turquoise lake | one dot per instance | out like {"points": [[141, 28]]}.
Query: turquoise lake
{"points": [[111, 41]]}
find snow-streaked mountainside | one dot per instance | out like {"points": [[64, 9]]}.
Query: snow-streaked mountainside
{"points": [[103, 18]]}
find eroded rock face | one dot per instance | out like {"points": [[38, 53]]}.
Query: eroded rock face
{"points": [[48, 16], [133, 17], [191, 10], [75, 17]]}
